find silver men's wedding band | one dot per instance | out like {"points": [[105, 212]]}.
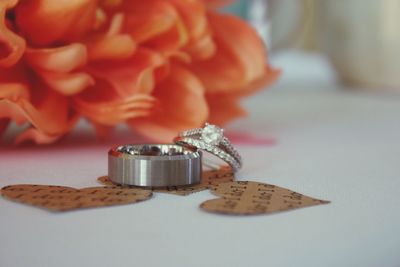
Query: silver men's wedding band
{"points": [[154, 165]]}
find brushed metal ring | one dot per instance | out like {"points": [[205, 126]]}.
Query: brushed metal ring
{"points": [[154, 165]]}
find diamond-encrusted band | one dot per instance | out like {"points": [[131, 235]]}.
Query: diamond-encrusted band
{"points": [[211, 139], [225, 144], [211, 149]]}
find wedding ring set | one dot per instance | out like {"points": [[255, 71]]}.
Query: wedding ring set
{"points": [[179, 164]]}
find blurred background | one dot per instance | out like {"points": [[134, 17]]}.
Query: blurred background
{"points": [[331, 43]]}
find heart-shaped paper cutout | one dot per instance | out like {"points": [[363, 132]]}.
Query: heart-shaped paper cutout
{"points": [[208, 179], [251, 198], [62, 198]]}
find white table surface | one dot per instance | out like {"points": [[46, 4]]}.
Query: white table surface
{"points": [[332, 144]]}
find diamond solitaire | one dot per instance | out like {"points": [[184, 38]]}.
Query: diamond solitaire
{"points": [[212, 134]]}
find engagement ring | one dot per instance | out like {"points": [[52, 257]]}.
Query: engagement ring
{"points": [[211, 139]]}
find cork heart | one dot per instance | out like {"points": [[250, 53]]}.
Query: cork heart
{"points": [[62, 198], [251, 198], [208, 179]]}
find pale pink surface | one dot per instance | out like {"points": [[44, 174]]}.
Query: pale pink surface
{"points": [[347, 152]]}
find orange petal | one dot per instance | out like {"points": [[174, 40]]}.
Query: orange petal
{"points": [[12, 92], [240, 58], [53, 65], [60, 59], [178, 56], [44, 22], [174, 39], [104, 106], [67, 83], [12, 46], [181, 105], [155, 23], [111, 3], [50, 115], [37, 136], [114, 47], [135, 75], [201, 49], [146, 19], [193, 13], [10, 3], [10, 110]]}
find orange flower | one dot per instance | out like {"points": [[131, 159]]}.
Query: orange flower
{"points": [[161, 66]]}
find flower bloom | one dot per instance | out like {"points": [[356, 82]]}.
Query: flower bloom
{"points": [[161, 66]]}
